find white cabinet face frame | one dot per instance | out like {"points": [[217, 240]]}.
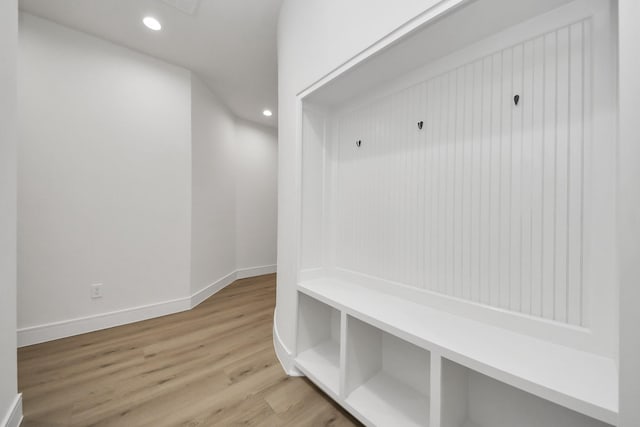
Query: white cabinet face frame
{"points": [[581, 316]]}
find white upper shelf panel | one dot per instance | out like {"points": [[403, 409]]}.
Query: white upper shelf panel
{"points": [[472, 20]]}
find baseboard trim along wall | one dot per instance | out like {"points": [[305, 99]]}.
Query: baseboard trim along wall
{"points": [[218, 285], [243, 273], [213, 288], [13, 418], [66, 328], [284, 355]]}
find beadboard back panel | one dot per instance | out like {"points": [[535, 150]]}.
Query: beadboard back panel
{"points": [[484, 200], [481, 184]]}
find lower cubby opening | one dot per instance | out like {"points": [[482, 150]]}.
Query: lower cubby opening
{"points": [[386, 378], [471, 399], [318, 344]]}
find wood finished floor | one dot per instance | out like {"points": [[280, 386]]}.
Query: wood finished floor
{"points": [[211, 366]]}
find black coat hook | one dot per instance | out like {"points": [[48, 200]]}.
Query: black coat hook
{"points": [[358, 143], [516, 99], [420, 124]]}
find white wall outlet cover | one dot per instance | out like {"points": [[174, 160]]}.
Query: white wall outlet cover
{"points": [[96, 290]]}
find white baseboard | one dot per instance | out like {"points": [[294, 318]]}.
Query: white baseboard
{"points": [[67, 328], [218, 285], [13, 418], [243, 273], [284, 355], [210, 290]]}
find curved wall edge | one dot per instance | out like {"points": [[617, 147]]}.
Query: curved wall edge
{"points": [[284, 355]]}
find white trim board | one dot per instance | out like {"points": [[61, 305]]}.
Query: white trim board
{"points": [[243, 273], [82, 325], [212, 289], [13, 417], [218, 285], [67, 328]]}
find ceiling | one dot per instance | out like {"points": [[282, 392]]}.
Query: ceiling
{"points": [[230, 44]]}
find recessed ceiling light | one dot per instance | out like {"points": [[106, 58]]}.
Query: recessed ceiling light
{"points": [[267, 113], [152, 23]]}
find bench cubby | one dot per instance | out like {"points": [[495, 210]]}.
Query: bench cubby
{"points": [[319, 342], [386, 378], [471, 399]]}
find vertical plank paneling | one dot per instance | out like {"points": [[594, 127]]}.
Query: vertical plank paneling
{"points": [[405, 148], [450, 179], [472, 209], [358, 181], [562, 178], [378, 209], [375, 211], [528, 98], [515, 228], [587, 169], [549, 172], [458, 190], [363, 186], [499, 171], [574, 232], [495, 182], [431, 165], [506, 149], [341, 205], [359, 187], [537, 176], [467, 210], [486, 201], [363, 180], [411, 174], [485, 182], [423, 187], [387, 260], [441, 141], [396, 154]]}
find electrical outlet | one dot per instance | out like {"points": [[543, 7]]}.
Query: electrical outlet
{"points": [[96, 290]]}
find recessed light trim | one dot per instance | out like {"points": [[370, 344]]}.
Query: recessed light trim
{"points": [[267, 113], [152, 23]]}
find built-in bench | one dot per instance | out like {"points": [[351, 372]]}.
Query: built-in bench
{"points": [[389, 359]]}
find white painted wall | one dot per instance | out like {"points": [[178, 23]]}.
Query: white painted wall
{"points": [[104, 176], [629, 213], [213, 240], [256, 195], [234, 212], [8, 57], [132, 174], [314, 38]]}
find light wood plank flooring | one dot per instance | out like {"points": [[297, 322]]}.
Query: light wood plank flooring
{"points": [[213, 365]]}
